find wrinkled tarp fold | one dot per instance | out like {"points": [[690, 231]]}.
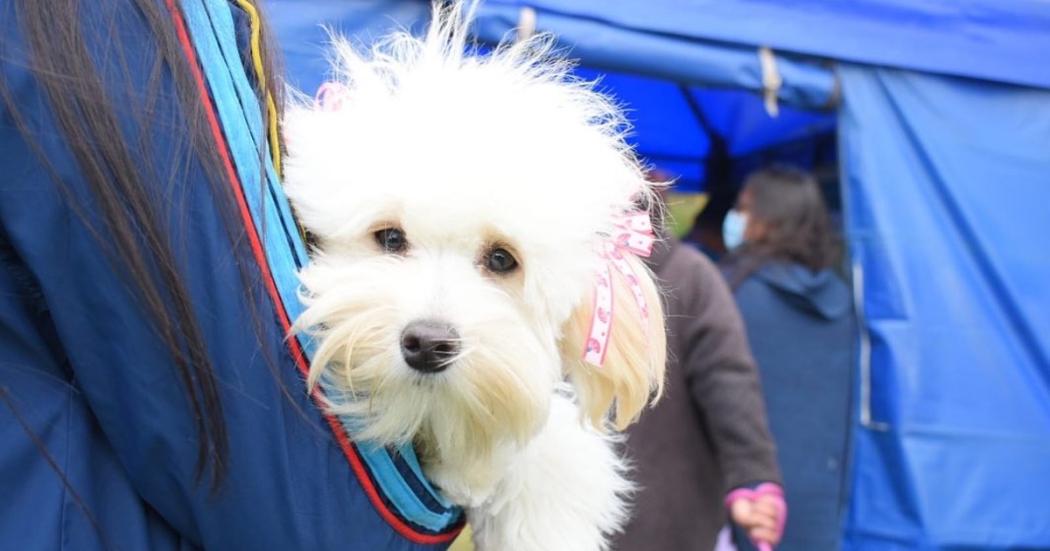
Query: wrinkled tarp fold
{"points": [[948, 211]]}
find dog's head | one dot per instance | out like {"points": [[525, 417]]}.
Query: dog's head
{"points": [[462, 206]]}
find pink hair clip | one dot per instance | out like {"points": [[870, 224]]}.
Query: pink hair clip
{"points": [[633, 236], [331, 96]]}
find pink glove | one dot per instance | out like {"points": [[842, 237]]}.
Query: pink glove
{"points": [[767, 492]]}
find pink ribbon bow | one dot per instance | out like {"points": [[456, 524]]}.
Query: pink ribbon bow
{"points": [[634, 235]]}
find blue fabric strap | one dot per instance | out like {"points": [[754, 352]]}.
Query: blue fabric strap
{"points": [[396, 473]]}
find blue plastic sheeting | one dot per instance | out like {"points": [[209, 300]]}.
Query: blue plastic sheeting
{"points": [[948, 212], [1000, 40], [680, 59], [302, 26], [668, 134]]}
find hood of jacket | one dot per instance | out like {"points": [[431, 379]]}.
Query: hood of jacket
{"points": [[821, 293]]}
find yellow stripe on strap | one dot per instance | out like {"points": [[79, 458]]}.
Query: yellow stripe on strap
{"points": [[260, 76]]}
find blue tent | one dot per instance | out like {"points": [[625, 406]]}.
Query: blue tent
{"points": [[942, 113]]}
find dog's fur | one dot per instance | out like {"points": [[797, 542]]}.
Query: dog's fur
{"points": [[465, 153]]}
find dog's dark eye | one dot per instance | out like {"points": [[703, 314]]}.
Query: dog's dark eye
{"points": [[392, 240], [500, 261]]}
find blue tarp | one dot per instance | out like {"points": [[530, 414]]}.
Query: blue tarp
{"points": [[667, 133], [674, 58], [943, 113], [948, 212], [999, 40]]}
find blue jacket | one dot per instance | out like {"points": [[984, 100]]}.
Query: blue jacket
{"points": [[800, 327], [97, 444]]}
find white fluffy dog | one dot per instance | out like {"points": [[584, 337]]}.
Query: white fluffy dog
{"points": [[469, 212]]}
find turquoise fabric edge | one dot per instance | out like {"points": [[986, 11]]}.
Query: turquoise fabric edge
{"points": [[212, 29]]}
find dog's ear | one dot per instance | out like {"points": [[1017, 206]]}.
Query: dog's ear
{"points": [[632, 371]]}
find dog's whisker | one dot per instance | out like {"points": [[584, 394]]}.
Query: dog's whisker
{"points": [[459, 357]]}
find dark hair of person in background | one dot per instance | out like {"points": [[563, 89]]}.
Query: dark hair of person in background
{"points": [[787, 204], [707, 226], [116, 164]]}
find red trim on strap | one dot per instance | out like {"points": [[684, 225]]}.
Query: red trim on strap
{"points": [[293, 344]]}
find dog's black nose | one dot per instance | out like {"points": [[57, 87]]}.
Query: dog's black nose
{"points": [[428, 346]]}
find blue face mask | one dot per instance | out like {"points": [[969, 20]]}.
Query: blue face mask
{"points": [[733, 228]]}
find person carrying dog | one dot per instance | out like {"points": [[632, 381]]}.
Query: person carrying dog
{"points": [[149, 398]]}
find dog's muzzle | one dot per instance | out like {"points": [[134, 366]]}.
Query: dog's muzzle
{"points": [[429, 346]]}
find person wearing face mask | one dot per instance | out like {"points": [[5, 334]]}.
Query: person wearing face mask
{"points": [[797, 312], [733, 227]]}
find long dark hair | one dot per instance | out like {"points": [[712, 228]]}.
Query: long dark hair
{"points": [[121, 171], [789, 205]]}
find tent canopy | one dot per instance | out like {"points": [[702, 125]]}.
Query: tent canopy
{"points": [[998, 40]]}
